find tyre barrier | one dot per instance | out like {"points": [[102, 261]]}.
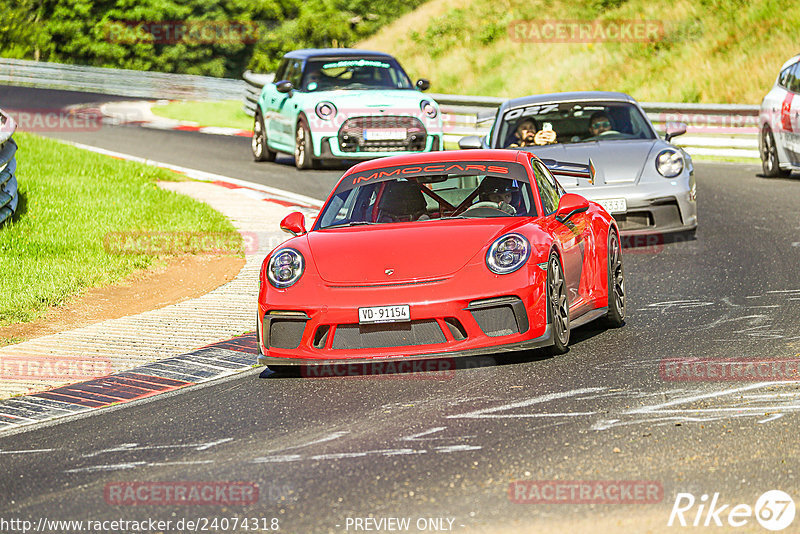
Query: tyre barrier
{"points": [[9, 195]]}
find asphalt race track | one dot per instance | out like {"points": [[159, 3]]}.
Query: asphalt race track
{"points": [[447, 445]]}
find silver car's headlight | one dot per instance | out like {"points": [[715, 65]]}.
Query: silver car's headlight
{"points": [[669, 163], [285, 267], [427, 107], [508, 253], [325, 110]]}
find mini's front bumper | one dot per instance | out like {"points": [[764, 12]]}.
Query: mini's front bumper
{"points": [[329, 149]]}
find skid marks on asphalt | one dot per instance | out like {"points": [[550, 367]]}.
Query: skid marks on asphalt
{"points": [[433, 440], [125, 455], [763, 401], [754, 316]]}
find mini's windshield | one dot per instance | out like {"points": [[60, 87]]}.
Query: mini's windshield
{"points": [[428, 198], [572, 122], [354, 73]]}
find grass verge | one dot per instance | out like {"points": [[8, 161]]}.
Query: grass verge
{"points": [[705, 51], [225, 113], [71, 200]]}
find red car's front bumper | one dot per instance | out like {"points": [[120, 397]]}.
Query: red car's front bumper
{"points": [[471, 312]]}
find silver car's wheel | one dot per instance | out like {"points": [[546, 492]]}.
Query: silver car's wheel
{"points": [[558, 305], [616, 283], [258, 143], [769, 155]]}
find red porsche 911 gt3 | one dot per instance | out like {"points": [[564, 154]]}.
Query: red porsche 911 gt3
{"points": [[438, 255]]}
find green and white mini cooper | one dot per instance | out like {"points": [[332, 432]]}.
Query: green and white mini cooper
{"points": [[341, 103]]}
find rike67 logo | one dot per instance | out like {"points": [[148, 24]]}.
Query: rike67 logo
{"points": [[774, 510]]}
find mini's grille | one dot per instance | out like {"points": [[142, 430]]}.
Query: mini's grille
{"points": [[351, 134], [355, 336]]}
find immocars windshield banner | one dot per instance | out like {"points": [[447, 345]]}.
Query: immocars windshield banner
{"points": [[505, 169]]}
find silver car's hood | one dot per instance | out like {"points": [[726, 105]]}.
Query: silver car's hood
{"points": [[616, 162]]}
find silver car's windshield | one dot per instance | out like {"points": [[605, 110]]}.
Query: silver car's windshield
{"points": [[571, 122], [354, 73]]}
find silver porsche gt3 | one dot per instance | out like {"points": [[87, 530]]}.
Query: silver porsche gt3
{"points": [[644, 181]]}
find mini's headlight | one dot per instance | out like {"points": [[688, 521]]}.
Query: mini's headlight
{"points": [[325, 110], [669, 163], [508, 253], [428, 108], [285, 267]]}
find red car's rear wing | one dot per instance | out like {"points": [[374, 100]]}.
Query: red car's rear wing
{"points": [[575, 170]]}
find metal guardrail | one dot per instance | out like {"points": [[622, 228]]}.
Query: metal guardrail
{"points": [[255, 82], [123, 82], [727, 130], [9, 194]]}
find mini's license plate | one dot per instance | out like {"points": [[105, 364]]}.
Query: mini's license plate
{"points": [[614, 205], [384, 314], [385, 134]]}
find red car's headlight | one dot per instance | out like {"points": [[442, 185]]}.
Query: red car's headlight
{"points": [[508, 253], [285, 268]]}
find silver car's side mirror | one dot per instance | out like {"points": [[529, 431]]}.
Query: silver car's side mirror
{"points": [[470, 141], [674, 129]]}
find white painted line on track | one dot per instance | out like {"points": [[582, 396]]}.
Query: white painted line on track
{"points": [[201, 175], [491, 413]]}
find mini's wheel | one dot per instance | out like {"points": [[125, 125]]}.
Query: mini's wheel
{"points": [[303, 151], [557, 305], [616, 283], [258, 143]]}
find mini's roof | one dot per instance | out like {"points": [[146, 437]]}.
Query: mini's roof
{"points": [[334, 52]]}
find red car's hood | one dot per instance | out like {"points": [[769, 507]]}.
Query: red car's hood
{"points": [[411, 250]]}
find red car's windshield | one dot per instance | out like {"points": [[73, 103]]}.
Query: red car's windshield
{"points": [[428, 198]]}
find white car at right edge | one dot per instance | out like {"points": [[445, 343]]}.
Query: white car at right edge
{"points": [[779, 141]]}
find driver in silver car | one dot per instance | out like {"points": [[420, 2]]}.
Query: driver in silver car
{"points": [[599, 123]]}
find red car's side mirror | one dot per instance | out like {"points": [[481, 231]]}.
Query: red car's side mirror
{"points": [[569, 205], [294, 223]]}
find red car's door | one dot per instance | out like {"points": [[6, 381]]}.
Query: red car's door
{"points": [[574, 237]]}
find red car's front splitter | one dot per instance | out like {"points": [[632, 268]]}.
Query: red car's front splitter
{"points": [[544, 340]]}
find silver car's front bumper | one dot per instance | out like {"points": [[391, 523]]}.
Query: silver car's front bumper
{"points": [[652, 207]]}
